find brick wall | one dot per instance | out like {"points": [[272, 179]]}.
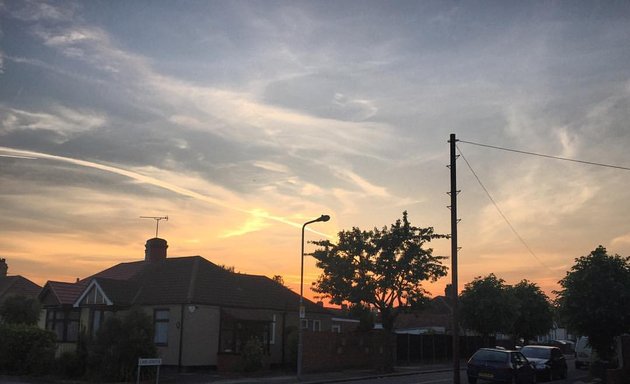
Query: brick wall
{"points": [[329, 351]]}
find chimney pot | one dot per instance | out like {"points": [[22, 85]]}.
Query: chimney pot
{"points": [[155, 250]]}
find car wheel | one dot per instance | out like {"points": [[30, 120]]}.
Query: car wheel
{"points": [[472, 380]]}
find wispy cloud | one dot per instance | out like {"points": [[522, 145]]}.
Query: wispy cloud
{"points": [[258, 215], [62, 120]]}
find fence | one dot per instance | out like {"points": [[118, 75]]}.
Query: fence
{"points": [[436, 348]]}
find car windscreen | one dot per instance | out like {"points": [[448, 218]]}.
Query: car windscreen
{"points": [[536, 353]]}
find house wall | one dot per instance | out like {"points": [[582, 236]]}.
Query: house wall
{"points": [[198, 331], [169, 353], [201, 336]]}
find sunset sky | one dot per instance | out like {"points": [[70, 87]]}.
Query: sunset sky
{"points": [[241, 120]]}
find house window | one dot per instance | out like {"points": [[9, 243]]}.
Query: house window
{"points": [[304, 323], [272, 331], [160, 322], [64, 323], [98, 317], [236, 333], [336, 328], [317, 326]]}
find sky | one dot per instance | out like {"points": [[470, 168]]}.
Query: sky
{"points": [[242, 120]]}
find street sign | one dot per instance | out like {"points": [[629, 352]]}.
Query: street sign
{"points": [[149, 362]]}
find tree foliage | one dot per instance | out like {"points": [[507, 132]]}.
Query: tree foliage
{"points": [[20, 310], [381, 268], [487, 306], [26, 349], [119, 343], [278, 279], [534, 315], [595, 298]]}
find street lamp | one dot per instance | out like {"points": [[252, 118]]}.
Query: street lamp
{"points": [[301, 309]]}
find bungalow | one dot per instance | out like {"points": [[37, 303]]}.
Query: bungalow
{"points": [[202, 313]]}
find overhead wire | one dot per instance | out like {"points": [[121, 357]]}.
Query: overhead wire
{"points": [[547, 156], [496, 206]]}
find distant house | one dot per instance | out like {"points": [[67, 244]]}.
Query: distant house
{"points": [[15, 285], [436, 318], [203, 314], [342, 320]]}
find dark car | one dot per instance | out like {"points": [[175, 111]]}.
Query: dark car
{"points": [[500, 365], [549, 362]]}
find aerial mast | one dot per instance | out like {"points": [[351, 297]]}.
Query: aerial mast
{"points": [[157, 221]]}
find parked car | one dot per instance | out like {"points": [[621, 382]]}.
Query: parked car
{"points": [[549, 361], [500, 365], [583, 353]]}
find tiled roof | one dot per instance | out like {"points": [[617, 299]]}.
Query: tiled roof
{"points": [[122, 271], [183, 280], [65, 293], [17, 285], [436, 314]]}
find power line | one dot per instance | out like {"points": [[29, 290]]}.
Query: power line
{"points": [[501, 212], [547, 156]]}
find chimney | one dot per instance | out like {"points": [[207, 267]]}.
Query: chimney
{"points": [[448, 291], [3, 268], [155, 250]]}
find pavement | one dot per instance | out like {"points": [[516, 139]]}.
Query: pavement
{"points": [[307, 378], [279, 377]]}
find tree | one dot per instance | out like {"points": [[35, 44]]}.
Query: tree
{"points": [[119, 343], [595, 298], [278, 279], [486, 306], [382, 269], [20, 310], [534, 315]]}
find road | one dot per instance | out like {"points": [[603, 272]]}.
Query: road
{"points": [[574, 376]]}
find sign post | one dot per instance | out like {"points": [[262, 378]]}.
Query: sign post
{"points": [[151, 362]]}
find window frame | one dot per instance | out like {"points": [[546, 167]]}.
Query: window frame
{"points": [[64, 318], [158, 324]]}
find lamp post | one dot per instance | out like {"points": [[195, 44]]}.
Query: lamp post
{"points": [[302, 311]]}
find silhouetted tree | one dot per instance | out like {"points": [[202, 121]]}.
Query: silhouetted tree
{"points": [[487, 306], [381, 269], [595, 298], [278, 279], [534, 315]]}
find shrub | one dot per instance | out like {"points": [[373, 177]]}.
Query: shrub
{"points": [[26, 350], [20, 310], [252, 355], [114, 353], [70, 365]]}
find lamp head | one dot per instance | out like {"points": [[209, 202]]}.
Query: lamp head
{"points": [[324, 218]]}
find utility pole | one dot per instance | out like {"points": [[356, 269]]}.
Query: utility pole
{"points": [[454, 249]]}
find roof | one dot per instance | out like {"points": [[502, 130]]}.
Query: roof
{"points": [[17, 286], [184, 280], [436, 314], [63, 293]]}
